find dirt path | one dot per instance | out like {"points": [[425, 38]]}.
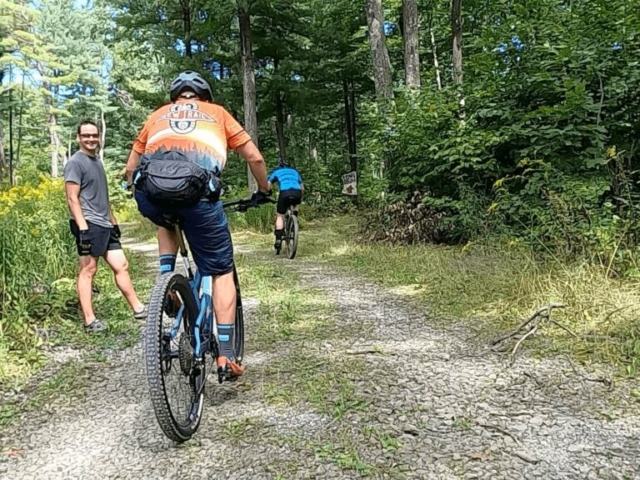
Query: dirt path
{"points": [[379, 394]]}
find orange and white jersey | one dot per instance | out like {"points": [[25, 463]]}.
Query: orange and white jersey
{"points": [[202, 131]]}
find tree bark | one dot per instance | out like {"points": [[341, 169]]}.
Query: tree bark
{"points": [[349, 113], [186, 21], [313, 147], [280, 119], [103, 134], [353, 158], [248, 81], [379, 53], [55, 144], [53, 133], [3, 160], [11, 158], [435, 60], [456, 27], [411, 43]]}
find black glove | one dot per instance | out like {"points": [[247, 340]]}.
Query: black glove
{"points": [[84, 243], [259, 197], [116, 231]]}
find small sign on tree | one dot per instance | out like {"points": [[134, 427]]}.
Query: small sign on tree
{"points": [[349, 184]]}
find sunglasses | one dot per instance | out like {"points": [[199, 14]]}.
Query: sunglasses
{"points": [[89, 135]]}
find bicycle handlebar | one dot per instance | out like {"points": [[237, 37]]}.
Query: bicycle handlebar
{"points": [[243, 204]]}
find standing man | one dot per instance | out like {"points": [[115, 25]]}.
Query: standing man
{"points": [[94, 226]]}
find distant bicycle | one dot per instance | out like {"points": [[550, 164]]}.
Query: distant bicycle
{"points": [[176, 350], [290, 233]]}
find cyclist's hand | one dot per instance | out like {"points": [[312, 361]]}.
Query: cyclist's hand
{"points": [[116, 231], [84, 242], [259, 198]]}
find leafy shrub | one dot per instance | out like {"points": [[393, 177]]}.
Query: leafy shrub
{"points": [[37, 255]]}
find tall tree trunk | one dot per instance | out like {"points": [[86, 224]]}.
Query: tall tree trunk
{"points": [[411, 43], [20, 122], [349, 112], [435, 60], [3, 159], [456, 27], [313, 146], [55, 144], [248, 81], [353, 158], [11, 158], [103, 134], [186, 22], [53, 132], [379, 53], [280, 119]]}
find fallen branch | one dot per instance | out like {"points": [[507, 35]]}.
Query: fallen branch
{"points": [[534, 322], [526, 457], [528, 334], [500, 430], [607, 381], [365, 351], [566, 329], [533, 317]]}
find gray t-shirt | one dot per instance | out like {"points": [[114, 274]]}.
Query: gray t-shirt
{"points": [[88, 172]]}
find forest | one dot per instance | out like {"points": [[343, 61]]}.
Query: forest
{"points": [[506, 118], [510, 124]]}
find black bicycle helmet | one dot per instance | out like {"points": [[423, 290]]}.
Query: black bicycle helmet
{"points": [[194, 81]]}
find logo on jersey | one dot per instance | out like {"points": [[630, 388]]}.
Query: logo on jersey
{"points": [[184, 117]]}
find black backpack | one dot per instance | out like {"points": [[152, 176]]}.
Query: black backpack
{"points": [[170, 179]]}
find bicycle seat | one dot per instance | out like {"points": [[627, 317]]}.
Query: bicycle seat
{"points": [[172, 219]]}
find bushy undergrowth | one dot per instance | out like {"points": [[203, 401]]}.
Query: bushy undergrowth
{"points": [[494, 287], [38, 266], [37, 256]]}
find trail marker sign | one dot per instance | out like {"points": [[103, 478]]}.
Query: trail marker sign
{"points": [[349, 183]]}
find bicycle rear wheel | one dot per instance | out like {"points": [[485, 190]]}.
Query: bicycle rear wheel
{"points": [[239, 334], [175, 381], [292, 235]]}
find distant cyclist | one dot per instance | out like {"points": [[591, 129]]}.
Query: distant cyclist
{"points": [[290, 185]]}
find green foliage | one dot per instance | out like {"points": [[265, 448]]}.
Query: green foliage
{"points": [[38, 264], [37, 255]]}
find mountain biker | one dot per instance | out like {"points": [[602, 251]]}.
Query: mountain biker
{"points": [[291, 188], [174, 165]]}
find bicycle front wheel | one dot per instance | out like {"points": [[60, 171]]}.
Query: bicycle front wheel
{"points": [[292, 236], [175, 381]]}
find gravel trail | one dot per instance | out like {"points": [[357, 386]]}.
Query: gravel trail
{"points": [[387, 394]]}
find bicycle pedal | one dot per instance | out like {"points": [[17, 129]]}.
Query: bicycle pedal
{"points": [[224, 375]]}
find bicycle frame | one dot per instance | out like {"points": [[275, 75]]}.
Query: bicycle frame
{"points": [[202, 288]]}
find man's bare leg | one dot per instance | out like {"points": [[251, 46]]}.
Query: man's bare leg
{"points": [[117, 260], [84, 286], [224, 305], [167, 242]]}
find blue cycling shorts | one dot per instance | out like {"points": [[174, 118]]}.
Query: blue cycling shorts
{"points": [[206, 228]]}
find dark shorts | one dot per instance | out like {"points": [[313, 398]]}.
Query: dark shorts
{"points": [[102, 239], [206, 228], [286, 198]]}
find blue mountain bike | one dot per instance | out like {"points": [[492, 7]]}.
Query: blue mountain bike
{"points": [[180, 332]]}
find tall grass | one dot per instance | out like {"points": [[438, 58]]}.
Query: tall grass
{"points": [[493, 287], [38, 266]]}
